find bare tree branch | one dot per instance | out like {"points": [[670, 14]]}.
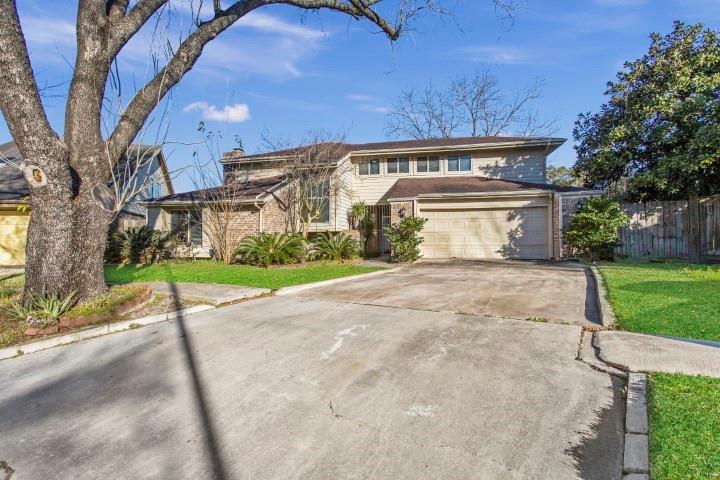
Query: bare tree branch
{"points": [[475, 105], [20, 99]]}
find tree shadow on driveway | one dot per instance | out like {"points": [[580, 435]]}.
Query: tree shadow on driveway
{"points": [[599, 452]]}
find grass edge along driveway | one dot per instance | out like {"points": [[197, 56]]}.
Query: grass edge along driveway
{"points": [[205, 271], [684, 414], [673, 299]]}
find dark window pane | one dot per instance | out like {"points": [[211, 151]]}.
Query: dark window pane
{"points": [[374, 167], [179, 225], [392, 165], [363, 168], [433, 165], [404, 165], [196, 227], [421, 164], [465, 163], [453, 164]]}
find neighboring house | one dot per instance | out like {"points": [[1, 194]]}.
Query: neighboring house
{"points": [[15, 212], [484, 197]]}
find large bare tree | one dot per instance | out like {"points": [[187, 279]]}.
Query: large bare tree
{"points": [[68, 227], [475, 105]]}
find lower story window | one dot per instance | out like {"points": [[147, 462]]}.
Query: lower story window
{"points": [[320, 201], [186, 226]]}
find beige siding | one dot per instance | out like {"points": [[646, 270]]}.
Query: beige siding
{"points": [[524, 165], [254, 171], [13, 233]]}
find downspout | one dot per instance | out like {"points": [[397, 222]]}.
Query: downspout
{"points": [[560, 225]]}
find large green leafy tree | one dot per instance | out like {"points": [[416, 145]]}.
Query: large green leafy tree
{"points": [[658, 135]]}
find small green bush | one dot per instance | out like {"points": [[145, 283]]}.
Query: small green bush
{"points": [[405, 239], [595, 228], [268, 248], [42, 310], [137, 245], [335, 246]]}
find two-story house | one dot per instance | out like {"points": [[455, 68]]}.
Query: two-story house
{"points": [[484, 197], [141, 174]]}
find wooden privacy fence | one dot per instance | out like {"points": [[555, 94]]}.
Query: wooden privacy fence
{"points": [[672, 229]]}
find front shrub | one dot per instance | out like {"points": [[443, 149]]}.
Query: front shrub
{"points": [[42, 310], [405, 239], [137, 245], [595, 229], [269, 248], [335, 246]]}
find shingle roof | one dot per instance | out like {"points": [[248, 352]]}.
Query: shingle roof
{"points": [[345, 148], [412, 187], [13, 186], [249, 190]]}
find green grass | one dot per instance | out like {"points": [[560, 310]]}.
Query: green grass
{"points": [[116, 296], [684, 415], [665, 298], [203, 271]]}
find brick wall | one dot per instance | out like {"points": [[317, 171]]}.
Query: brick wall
{"points": [[274, 217], [397, 207]]}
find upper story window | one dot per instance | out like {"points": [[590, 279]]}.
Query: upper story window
{"points": [[459, 163], [427, 164], [155, 189], [398, 165], [371, 167]]}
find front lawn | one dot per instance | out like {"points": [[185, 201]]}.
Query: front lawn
{"points": [[206, 271], [684, 414], [672, 299]]}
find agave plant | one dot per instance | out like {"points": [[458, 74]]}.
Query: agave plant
{"points": [[43, 310], [137, 245], [335, 246], [268, 248]]}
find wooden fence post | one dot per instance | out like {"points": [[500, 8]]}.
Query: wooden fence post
{"points": [[694, 228]]}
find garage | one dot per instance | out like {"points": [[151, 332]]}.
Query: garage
{"points": [[13, 231], [486, 233]]}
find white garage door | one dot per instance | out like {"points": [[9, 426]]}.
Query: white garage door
{"points": [[486, 233]]}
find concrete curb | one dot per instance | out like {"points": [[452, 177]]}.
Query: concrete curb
{"points": [[636, 460], [607, 315], [33, 347], [299, 288]]}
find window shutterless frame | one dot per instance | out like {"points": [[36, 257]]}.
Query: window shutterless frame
{"points": [[427, 164], [398, 165], [370, 167], [459, 163]]}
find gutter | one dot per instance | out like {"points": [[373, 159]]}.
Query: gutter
{"points": [[556, 142], [518, 193]]}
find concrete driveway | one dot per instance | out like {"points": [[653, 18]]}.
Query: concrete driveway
{"points": [[562, 293], [287, 388]]}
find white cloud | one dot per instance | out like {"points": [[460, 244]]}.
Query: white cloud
{"points": [[48, 31], [238, 112], [494, 54], [271, 24], [620, 3], [374, 109], [359, 97]]}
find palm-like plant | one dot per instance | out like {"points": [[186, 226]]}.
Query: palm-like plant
{"points": [[137, 245], [335, 246], [268, 248]]}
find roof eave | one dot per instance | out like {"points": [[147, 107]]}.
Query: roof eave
{"points": [[550, 143]]}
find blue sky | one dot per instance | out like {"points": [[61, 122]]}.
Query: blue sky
{"points": [[284, 72]]}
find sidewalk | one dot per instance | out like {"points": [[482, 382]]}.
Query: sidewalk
{"points": [[647, 353]]}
